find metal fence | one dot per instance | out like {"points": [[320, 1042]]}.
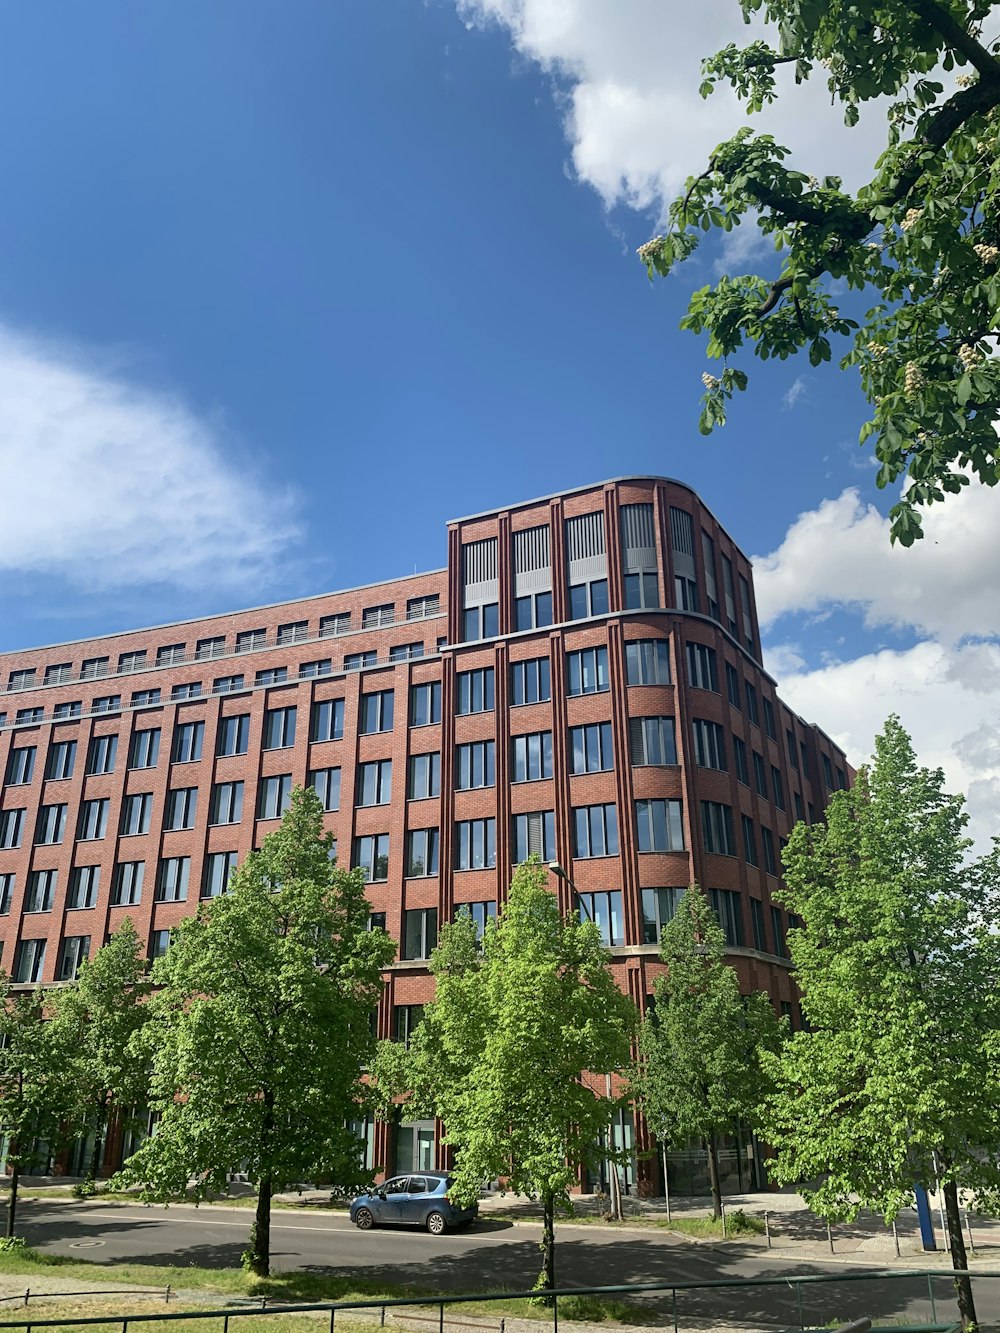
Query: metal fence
{"points": [[686, 1305]]}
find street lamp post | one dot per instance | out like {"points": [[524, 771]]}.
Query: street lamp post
{"points": [[616, 1190]]}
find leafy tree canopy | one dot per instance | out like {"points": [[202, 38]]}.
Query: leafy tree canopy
{"points": [[260, 1033], [921, 237]]}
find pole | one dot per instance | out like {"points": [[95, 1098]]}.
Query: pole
{"points": [[767, 1227], [666, 1181], [895, 1237], [829, 1234], [924, 1218], [968, 1224]]}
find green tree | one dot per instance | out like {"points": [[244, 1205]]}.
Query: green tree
{"points": [[897, 961], [102, 1015], [36, 1082], [261, 1031], [519, 1021], [701, 1046], [921, 237]]}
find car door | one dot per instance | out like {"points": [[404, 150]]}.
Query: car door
{"points": [[413, 1206], [389, 1209]]}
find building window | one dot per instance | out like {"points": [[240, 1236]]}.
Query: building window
{"points": [[709, 745], [368, 657], [71, 709], [58, 673], [800, 810], [93, 668], [249, 640], [84, 882], [479, 913], [61, 761], [233, 736], [74, 951], [182, 806], [30, 964], [588, 599], [476, 844], [418, 608], [778, 788], [145, 698], [778, 931], [279, 728], [226, 804], [376, 712], [770, 860], [740, 756], [591, 748], [188, 739], [475, 765], [51, 825], [126, 889], [747, 618], [587, 671], [28, 716], [227, 684], [327, 720], [827, 771], [474, 691], [374, 616], [605, 910], [530, 682], [295, 632], [532, 757], [11, 829], [322, 667], [647, 662], [208, 648], [717, 828], [133, 661], [659, 826], [371, 855], [535, 834], [405, 652], [159, 943], [757, 922], [325, 782], [338, 623], [41, 891], [759, 774], [275, 796], [658, 907], [188, 690], [20, 766], [533, 611], [733, 686], [651, 741], [685, 593], [271, 676], [145, 749], [107, 703], [751, 696], [481, 622], [136, 811], [703, 671], [595, 831], [730, 913], [406, 1018], [219, 866], [93, 821], [708, 559], [375, 782], [172, 880], [749, 840], [642, 592], [170, 654], [422, 852], [425, 704], [6, 893], [419, 932], [769, 726], [425, 776], [793, 749]]}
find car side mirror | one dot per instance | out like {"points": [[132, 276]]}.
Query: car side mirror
{"points": [[381, 1194]]}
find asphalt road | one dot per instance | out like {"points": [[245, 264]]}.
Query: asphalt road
{"points": [[493, 1254]]}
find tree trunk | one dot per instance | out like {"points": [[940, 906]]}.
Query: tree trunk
{"points": [[98, 1150], [956, 1241], [713, 1177], [260, 1240], [547, 1277], [12, 1205]]}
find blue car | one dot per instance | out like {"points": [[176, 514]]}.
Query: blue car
{"points": [[418, 1200]]}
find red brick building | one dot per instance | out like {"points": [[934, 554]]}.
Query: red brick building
{"points": [[583, 680]]}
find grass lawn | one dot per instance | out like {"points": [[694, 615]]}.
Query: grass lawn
{"points": [[738, 1223]]}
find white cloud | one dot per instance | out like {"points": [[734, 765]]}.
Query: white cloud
{"points": [[110, 485], [839, 555], [946, 698], [633, 116], [795, 392]]}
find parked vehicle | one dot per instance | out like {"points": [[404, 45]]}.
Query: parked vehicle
{"points": [[418, 1200]]}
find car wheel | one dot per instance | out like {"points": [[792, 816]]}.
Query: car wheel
{"points": [[436, 1224], [364, 1220]]}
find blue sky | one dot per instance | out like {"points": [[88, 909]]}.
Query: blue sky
{"points": [[283, 287]]}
